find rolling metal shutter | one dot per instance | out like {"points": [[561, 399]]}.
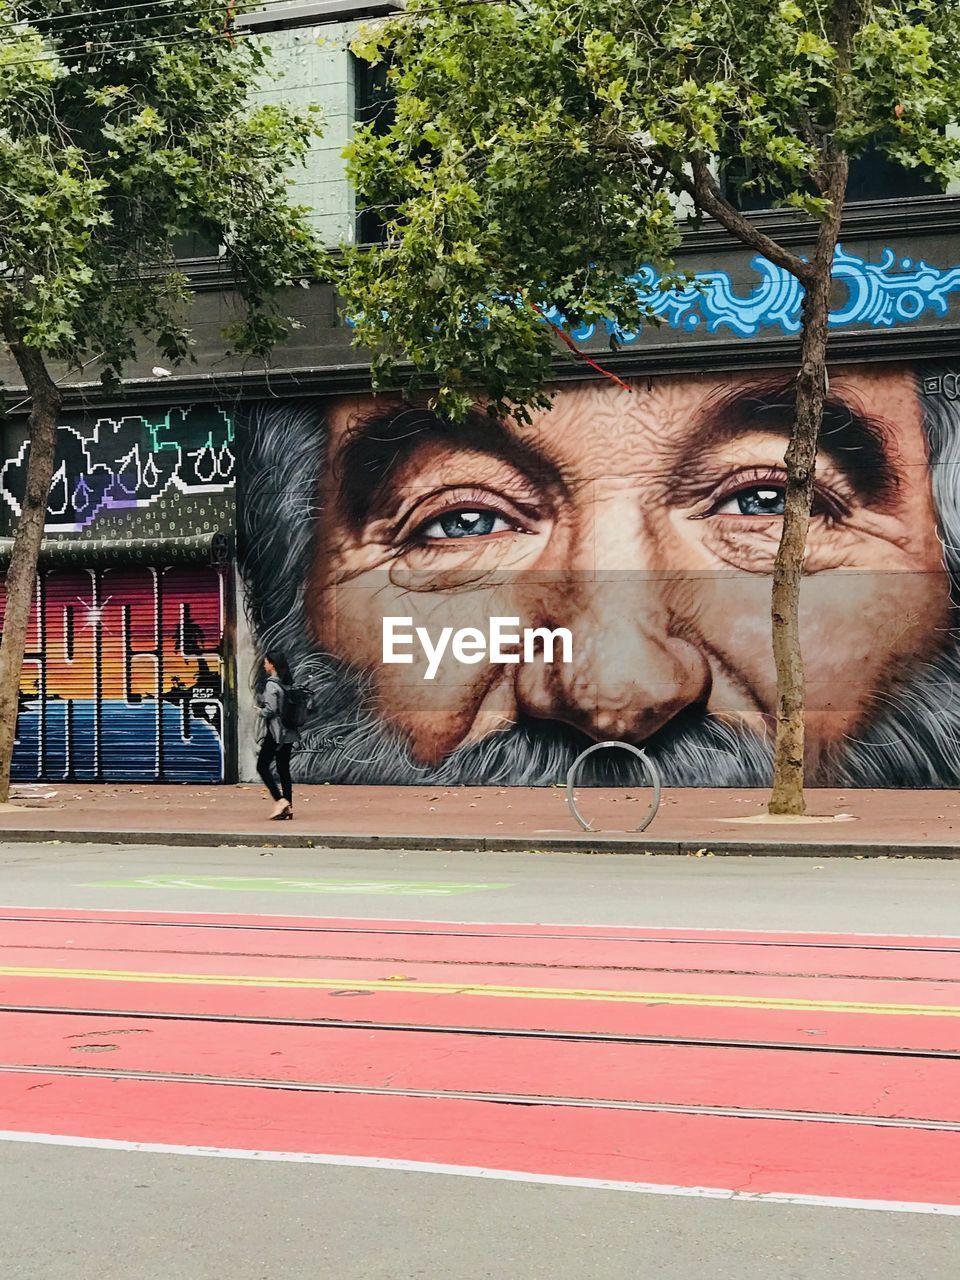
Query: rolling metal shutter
{"points": [[123, 676]]}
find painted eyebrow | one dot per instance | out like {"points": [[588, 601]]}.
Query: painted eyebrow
{"points": [[377, 445], [856, 442]]}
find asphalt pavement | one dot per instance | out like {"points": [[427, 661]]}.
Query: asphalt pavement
{"points": [[102, 1215], [901, 895], [72, 920]]}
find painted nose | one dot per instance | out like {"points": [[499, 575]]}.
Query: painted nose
{"points": [[629, 675], [633, 668]]}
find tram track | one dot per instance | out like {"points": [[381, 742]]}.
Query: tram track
{"points": [[492, 935], [504, 1033], [475, 1095]]}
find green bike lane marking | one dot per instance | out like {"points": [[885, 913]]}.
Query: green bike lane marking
{"points": [[273, 884]]}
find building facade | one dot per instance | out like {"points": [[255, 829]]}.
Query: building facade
{"points": [[211, 515]]}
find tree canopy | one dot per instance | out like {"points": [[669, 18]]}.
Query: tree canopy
{"points": [[123, 129], [539, 148]]}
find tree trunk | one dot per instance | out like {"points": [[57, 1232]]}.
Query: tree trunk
{"points": [[801, 457], [22, 571]]}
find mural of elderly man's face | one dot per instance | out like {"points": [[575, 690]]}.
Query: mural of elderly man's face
{"points": [[645, 522]]}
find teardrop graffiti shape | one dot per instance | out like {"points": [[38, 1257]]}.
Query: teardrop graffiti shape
{"points": [[225, 463], [81, 496], [128, 475], [150, 475], [204, 464], [59, 494]]}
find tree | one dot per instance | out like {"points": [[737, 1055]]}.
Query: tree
{"points": [[122, 130], [535, 159]]}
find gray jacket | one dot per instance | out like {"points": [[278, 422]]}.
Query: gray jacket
{"points": [[271, 710]]}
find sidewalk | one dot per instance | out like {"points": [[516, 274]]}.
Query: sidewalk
{"points": [[851, 823]]}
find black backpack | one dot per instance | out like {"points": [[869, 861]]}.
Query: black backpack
{"points": [[296, 707]]}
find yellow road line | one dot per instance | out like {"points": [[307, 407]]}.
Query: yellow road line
{"points": [[411, 986]]}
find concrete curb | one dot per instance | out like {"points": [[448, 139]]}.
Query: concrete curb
{"points": [[625, 844]]}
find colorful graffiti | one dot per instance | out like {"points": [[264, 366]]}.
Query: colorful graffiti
{"points": [[129, 463], [123, 676], [643, 520], [883, 295]]}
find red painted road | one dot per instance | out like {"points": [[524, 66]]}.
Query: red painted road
{"points": [[905, 993], [679, 1075], [647, 953], [349, 1003]]}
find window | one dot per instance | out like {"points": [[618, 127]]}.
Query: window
{"points": [[373, 104], [872, 177], [194, 245]]}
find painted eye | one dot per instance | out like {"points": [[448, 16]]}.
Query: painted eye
{"points": [[756, 500], [464, 523]]}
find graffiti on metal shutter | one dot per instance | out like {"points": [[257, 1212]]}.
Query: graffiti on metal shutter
{"points": [[123, 676]]}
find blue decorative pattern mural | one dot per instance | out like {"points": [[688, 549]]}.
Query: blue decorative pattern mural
{"points": [[882, 295]]}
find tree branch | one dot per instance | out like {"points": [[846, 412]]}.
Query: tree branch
{"points": [[705, 191]]}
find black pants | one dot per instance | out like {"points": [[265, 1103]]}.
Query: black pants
{"points": [[271, 750]]}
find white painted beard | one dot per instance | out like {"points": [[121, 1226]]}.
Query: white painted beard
{"points": [[913, 742]]}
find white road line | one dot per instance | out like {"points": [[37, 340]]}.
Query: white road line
{"points": [[472, 1171]]}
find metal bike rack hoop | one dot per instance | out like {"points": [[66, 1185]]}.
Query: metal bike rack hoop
{"points": [[649, 768]]}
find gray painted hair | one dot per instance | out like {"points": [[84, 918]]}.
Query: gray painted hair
{"points": [[912, 740]]}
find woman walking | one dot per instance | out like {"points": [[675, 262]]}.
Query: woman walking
{"points": [[278, 740]]}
